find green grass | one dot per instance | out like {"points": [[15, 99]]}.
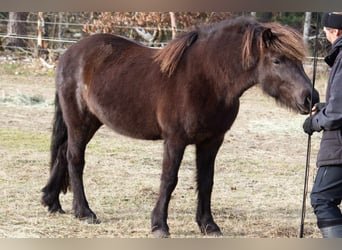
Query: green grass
{"points": [[14, 140], [20, 69], [10, 69]]}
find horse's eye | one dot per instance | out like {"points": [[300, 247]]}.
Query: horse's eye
{"points": [[276, 61]]}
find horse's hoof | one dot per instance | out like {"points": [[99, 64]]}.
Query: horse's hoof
{"points": [[60, 211], [214, 234], [88, 216], [159, 233], [54, 208], [93, 220], [211, 230]]}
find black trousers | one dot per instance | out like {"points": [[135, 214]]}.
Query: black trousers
{"points": [[326, 196]]}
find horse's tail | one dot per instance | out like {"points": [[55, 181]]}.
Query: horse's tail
{"points": [[59, 147]]}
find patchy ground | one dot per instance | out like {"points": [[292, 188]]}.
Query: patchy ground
{"points": [[258, 180]]}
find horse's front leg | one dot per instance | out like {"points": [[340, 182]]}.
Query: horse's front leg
{"points": [[205, 160], [173, 154]]}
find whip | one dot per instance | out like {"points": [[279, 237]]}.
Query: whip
{"points": [[308, 152]]}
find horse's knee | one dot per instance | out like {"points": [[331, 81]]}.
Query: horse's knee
{"points": [[76, 161], [75, 156]]}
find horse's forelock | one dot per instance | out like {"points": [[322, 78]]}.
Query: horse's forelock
{"points": [[287, 41], [284, 40], [250, 37], [171, 54]]}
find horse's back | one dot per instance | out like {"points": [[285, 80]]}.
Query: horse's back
{"points": [[95, 49], [113, 78]]}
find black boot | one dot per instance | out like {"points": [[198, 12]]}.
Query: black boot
{"points": [[332, 231]]}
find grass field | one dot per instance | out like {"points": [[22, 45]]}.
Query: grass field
{"points": [[258, 179]]}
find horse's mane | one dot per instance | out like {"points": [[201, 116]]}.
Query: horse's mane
{"points": [[273, 36], [170, 55]]}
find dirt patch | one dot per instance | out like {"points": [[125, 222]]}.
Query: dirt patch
{"points": [[258, 179]]}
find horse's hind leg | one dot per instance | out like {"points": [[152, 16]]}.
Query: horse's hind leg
{"points": [[205, 159], [78, 138]]}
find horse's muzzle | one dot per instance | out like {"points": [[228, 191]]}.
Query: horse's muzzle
{"points": [[309, 102]]}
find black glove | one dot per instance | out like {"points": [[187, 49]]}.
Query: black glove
{"points": [[307, 125], [319, 106]]}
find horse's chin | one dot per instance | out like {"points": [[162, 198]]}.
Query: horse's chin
{"points": [[303, 112], [302, 109]]}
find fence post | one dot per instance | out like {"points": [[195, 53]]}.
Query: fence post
{"points": [[40, 27], [173, 24]]}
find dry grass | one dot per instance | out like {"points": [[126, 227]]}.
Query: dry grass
{"points": [[258, 179]]}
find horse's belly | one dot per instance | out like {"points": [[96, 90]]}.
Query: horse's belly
{"points": [[137, 132], [134, 123]]}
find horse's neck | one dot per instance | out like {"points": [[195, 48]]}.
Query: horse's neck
{"points": [[231, 87]]}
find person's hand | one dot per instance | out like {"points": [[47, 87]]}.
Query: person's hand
{"points": [[317, 107], [307, 125]]}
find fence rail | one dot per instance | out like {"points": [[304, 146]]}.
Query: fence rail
{"points": [[52, 39], [74, 32]]}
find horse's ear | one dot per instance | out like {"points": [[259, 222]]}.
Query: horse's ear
{"points": [[192, 38], [267, 37]]}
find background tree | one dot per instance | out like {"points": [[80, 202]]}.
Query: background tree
{"points": [[151, 27], [16, 27], [306, 28]]}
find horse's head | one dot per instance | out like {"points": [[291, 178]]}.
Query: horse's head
{"points": [[280, 70]]}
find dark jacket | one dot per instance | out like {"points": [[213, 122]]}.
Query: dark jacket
{"points": [[329, 119]]}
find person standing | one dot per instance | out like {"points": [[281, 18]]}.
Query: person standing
{"points": [[326, 192]]}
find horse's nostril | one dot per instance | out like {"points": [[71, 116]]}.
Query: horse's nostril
{"points": [[308, 101], [311, 100], [305, 105]]}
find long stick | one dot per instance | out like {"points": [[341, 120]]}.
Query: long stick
{"points": [[308, 152]]}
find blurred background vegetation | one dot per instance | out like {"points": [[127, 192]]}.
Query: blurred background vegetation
{"points": [[48, 34]]}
